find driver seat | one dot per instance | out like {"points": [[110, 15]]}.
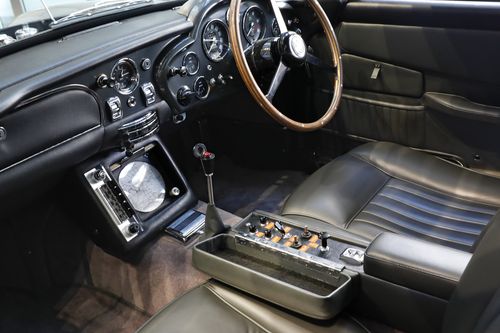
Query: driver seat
{"points": [[385, 187]]}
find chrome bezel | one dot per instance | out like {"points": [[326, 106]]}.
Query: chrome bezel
{"points": [[133, 87], [184, 62], [245, 14], [194, 88], [203, 43]]}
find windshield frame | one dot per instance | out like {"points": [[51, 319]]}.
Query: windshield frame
{"points": [[74, 26]]}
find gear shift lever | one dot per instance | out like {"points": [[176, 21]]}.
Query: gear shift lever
{"points": [[213, 221]]}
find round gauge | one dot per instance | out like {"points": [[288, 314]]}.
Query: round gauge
{"points": [[276, 28], [125, 76], [215, 40], [143, 185], [254, 24], [191, 62], [201, 87]]}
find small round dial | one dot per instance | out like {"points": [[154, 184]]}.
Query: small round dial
{"points": [[254, 24], [201, 87], [276, 28], [191, 62], [125, 76], [215, 40]]}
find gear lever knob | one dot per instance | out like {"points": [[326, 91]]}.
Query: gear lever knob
{"points": [[206, 158]]}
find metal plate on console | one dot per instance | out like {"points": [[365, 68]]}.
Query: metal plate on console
{"points": [[143, 185]]}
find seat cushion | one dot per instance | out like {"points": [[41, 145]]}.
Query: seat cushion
{"points": [[380, 187], [214, 307]]}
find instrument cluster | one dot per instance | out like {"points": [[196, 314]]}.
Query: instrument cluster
{"points": [[201, 64]]}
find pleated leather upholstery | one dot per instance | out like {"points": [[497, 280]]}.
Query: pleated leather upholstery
{"points": [[384, 187]]}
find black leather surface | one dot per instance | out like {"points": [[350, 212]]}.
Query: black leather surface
{"points": [[33, 68], [475, 304], [430, 268], [461, 107], [47, 122], [386, 187], [214, 307], [391, 79]]}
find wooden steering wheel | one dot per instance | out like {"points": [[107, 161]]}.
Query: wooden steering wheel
{"points": [[282, 53]]}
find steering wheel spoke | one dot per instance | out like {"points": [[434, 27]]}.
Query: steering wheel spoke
{"points": [[278, 77], [279, 17], [317, 62]]}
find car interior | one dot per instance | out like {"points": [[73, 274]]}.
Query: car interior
{"points": [[250, 166]]}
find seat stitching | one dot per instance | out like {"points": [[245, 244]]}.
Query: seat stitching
{"points": [[421, 221], [430, 212], [363, 159], [491, 210], [216, 294], [410, 229], [360, 209]]}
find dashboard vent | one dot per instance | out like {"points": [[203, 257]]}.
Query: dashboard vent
{"points": [[140, 128]]}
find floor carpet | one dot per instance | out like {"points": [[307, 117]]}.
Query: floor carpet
{"points": [[240, 190], [105, 293]]}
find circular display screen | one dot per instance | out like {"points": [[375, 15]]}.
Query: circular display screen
{"points": [[125, 76], [191, 62], [201, 87], [254, 24], [215, 40], [143, 185]]}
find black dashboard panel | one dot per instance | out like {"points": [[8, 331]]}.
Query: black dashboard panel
{"points": [[220, 74], [46, 65]]}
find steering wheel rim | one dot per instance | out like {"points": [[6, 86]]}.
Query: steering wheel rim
{"points": [[262, 99]]}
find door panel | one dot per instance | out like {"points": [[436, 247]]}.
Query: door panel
{"points": [[438, 82]]}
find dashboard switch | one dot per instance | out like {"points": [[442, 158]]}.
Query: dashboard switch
{"points": [[184, 95], [102, 81], [115, 107], [181, 71], [148, 93]]}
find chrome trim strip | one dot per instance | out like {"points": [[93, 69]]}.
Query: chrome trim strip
{"points": [[49, 148]]}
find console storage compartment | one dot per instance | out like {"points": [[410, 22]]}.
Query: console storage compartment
{"points": [[416, 264], [310, 288]]}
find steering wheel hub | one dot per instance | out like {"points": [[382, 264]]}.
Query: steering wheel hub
{"points": [[292, 48]]}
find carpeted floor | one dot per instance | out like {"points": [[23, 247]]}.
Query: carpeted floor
{"points": [[240, 190], [61, 282]]}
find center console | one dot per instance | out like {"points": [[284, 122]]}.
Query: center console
{"points": [[284, 262]]}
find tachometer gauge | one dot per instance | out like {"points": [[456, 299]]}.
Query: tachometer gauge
{"points": [[254, 24], [125, 76], [191, 62], [215, 40]]}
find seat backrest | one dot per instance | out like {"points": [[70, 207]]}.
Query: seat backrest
{"points": [[475, 304]]}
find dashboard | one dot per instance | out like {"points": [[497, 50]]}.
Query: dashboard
{"points": [[80, 91], [201, 66]]}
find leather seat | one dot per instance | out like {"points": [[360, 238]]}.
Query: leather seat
{"points": [[384, 187], [214, 307]]}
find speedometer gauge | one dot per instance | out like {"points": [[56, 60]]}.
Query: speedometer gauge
{"points": [[125, 76], [254, 24], [215, 40]]}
